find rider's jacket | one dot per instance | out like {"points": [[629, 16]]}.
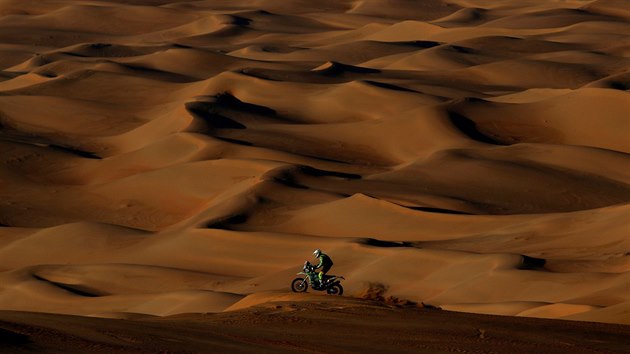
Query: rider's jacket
{"points": [[324, 261]]}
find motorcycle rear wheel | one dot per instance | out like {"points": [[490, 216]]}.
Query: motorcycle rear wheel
{"points": [[299, 285], [336, 289]]}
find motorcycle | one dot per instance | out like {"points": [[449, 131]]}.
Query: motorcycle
{"points": [[330, 283]]}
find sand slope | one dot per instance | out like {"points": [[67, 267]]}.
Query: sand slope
{"points": [[286, 325], [168, 157]]}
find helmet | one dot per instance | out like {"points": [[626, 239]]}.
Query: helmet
{"points": [[317, 252]]}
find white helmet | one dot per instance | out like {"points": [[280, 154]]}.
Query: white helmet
{"points": [[317, 252]]}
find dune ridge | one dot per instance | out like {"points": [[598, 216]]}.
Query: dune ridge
{"points": [[188, 156]]}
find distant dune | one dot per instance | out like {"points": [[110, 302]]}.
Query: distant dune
{"points": [[168, 157]]}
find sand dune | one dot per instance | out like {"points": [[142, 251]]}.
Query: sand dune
{"points": [[168, 157], [285, 325], [576, 129]]}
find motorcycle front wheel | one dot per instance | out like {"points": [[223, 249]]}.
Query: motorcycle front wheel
{"points": [[299, 285], [336, 289]]}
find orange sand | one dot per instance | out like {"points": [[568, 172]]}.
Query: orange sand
{"points": [[168, 157]]}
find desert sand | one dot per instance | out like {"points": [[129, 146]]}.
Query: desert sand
{"points": [[161, 158], [344, 325]]}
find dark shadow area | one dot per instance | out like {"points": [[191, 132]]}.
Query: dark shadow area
{"points": [[80, 153], [93, 50], [437, 210], [227, 100], [9, 75], [337, 68], [471, 99], [181, 46], [532, 263], [388, 86], [463, 50], [235, 141], [618, 85], [99, 46], [240, 21], [429, 306], [311, 171], [289, 180], [419, 44], [158, 74], [206, 112], [469, 127], [75, 289], [278, 49], [226, 222], [10, 338], [379, 243], [48, 74]]}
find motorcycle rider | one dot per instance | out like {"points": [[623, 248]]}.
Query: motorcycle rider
{"points": [[325, 263]]}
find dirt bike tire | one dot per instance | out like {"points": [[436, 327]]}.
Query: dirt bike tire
{"points": [[336, 289], [299, 285]]}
